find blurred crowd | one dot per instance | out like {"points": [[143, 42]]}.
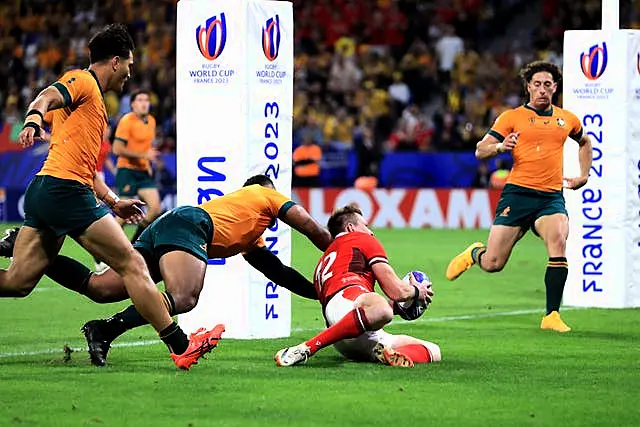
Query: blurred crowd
{"points": [[371, 76], [40, 39]]}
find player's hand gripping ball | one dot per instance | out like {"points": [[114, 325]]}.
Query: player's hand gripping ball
{"points": [[414, 308]]}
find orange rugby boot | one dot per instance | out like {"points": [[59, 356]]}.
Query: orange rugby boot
{"points": [[389, 356], [201, 342]]}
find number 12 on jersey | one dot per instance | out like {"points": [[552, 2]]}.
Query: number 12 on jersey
{"points": [[323, 270]]}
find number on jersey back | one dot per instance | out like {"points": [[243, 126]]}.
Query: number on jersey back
{"points": [[346, 262]]}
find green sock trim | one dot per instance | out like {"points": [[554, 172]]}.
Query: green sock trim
{"points": [[475, 253]]}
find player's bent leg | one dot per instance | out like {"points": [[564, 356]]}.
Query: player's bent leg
{"points": [[490, 258], [105, 287], [554, 230], [182, 268], [514, 213], [376, 309], [346, 321], [106, 240], [33, 251], [183, 275], [502, 239]]}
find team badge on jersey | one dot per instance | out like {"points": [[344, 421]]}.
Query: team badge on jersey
{"points": [[560, 121]]}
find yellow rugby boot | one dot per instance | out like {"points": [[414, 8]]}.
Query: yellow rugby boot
{"points": [[462, 262], [554, 322]]}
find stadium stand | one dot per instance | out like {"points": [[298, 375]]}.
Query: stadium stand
{"points": [[372, 82]]}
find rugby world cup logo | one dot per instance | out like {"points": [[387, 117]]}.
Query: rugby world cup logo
{"points": [[271, 38], [212, 37], [594, 62]]}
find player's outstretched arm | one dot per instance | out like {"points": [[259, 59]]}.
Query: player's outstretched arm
{"points": [[298, 218], [395, 288], [266, 262]]}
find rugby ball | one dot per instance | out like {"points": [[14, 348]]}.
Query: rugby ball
{"points": [[420, 277]]}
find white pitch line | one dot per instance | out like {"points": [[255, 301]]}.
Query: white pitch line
{"points": [[421, 320], [75, 349]]}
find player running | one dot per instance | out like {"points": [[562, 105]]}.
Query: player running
{"points": [[176, 248], [534, 134], [133, 144], [355, 314], [61, 199]]}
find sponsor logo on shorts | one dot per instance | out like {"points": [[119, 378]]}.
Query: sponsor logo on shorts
{"points": [[506, 211]]}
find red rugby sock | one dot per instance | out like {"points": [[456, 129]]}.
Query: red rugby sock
{"points": [[416, 352], [353, 324]]}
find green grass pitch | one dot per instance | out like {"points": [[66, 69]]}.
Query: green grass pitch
{"points": [[499, 369]]}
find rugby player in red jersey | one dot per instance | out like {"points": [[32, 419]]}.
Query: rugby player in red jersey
{"points": [[355, 314]]}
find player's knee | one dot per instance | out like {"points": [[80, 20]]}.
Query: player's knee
{"points": [[104, 294], [557, 242], [386, 313], [492, 263], [185, 301], [134, 264], [434, 351], [379, 315]]}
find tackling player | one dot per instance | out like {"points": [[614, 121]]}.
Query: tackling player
{"points": [[355, 314], [61, 199], [534, 134], [176, 248], [133, 144]]}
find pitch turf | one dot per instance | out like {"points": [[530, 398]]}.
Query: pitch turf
{"points": [[499, 369]]}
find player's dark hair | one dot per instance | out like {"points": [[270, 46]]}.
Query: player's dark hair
{"points": [[540, 67], [262, 180], [135, 94], [341, 217], [113, 40]]}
